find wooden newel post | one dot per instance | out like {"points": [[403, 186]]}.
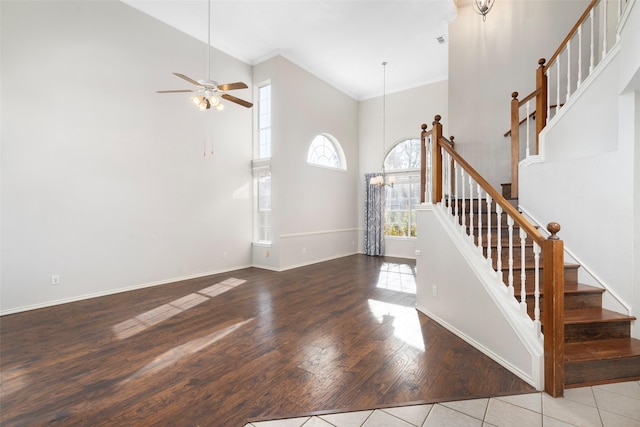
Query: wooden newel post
{"points": [[436, 160], [553, 312], [541, 101], [515, 143], [423, 163]]}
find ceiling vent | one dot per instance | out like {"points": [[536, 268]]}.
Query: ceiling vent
{"points": [[441, 39]]}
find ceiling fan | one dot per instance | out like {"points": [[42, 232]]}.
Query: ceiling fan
{"points": [[207, 93]]}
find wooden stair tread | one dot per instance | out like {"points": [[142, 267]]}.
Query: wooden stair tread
{"points": [[601, 350], [530, 264], [573, 288], [594, 315], [597, 344]]}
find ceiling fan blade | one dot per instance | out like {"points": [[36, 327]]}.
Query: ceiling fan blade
{"points": [[189, 79], [236, 100], [232, 86], [175, 91]]}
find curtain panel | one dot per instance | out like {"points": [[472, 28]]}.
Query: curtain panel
{"points": [[373, 217]]}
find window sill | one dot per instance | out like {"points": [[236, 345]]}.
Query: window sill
{"points": [[262, 244], [400, 237]]}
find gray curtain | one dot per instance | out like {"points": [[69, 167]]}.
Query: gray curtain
{"points": [[373, 217]]}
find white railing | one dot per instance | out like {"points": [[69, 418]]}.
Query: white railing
{"points": [[499, 234], [481, 221], [584, 48], [490, 224]]}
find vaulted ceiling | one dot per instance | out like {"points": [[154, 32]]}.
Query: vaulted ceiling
{"points": [[343, 42]]}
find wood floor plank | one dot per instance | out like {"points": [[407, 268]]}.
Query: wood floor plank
{"points": [[339, 335]]}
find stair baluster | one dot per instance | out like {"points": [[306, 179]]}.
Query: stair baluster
{"points": [[489, 259], [523, 271], [444, 191], [499, 245], [510, 263], [463, 223], [479, 204], [536, 292]]}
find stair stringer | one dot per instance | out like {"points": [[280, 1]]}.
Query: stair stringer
{"points": [[457, 288]]}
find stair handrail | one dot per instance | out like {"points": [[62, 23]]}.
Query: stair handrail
{"points": [[445, 188], [565, 83]]}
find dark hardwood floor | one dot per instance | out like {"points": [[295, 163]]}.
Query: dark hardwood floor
{"points": [[339, 335]]}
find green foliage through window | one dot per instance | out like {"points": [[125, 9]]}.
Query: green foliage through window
{"points": [[404, 196]]}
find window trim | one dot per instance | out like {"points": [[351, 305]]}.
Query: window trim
{"points": [[409, 173], [257, 112], [342, 159]]}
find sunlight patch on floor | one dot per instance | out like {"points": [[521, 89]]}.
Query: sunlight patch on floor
{"points": [[172, 356], [135, 325], [406, 324], [397, 277], [12, 380]]}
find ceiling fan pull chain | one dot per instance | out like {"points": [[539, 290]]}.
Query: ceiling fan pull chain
{"points": [[204, 139]]}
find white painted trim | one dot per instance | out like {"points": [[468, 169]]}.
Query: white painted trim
{"points": [[266, 267], [625, 17], [591, 78], [599, 69], [495, 286], [316, 261], [262, 244], [537, 383], [583, 265], [316, 233], [521, 323], [116, 291]]}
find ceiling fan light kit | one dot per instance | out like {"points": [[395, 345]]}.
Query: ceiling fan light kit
{"points": [[209, 93]]}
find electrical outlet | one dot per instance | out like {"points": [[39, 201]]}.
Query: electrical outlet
{"points": [[55, 279], [266, 254], [434, 290], [304, 250], [224, 254]]}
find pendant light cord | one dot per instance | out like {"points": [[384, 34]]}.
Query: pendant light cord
{"points": [[384, 111], [209, 41]]}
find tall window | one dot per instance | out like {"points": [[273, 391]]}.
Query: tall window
{"points": [[326, 151], [262, 167], [264, 207], [264, 121], [402, 162]]}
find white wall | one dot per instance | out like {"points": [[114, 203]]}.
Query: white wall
{"points": [[490, 60], [104, 181], [629, 52], [636, 209], [314, 208], [457, 289], [586, 178], [406, 111], [630, 131]]}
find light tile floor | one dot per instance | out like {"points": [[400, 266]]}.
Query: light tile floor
{"points": [[611, 405]]}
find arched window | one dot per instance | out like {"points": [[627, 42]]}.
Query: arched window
{"points": [[403, 163], [326, 151], [405, 155]]}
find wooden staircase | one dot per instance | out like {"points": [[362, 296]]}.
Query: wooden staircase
{"points": [[598, 344]]}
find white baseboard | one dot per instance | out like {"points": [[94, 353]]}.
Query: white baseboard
{"points": [[114, 291], [504, 363]]}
